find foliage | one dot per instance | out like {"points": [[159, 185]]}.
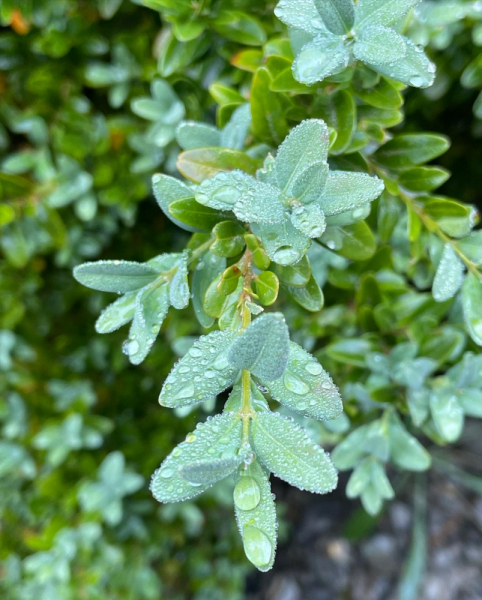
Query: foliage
{"points": [[288, 178]]}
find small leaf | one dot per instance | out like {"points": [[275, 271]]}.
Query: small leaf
{"points": [[262, 348], [199, 164], [295, 275], [472, 307], [413, 69], [283, 243], [206, 472], [255, 510], [229, 239], [379, 45], [449, 276], [340, 112], [348, 453], [337, 15], [381, 12], [321, 58], [359, 479], [310, 219], [355, 242], [194, 215], [306, 387], [239, 27], [119, 276], [152, 304], [349, 191], [309, 296], [179, 287], [191, 134], [206, 271], [408, 150], [405, 450], [287, 451], [222, 191], [218, 438], [471, 246], [269, 120], [167, 190], [299, 15], [234, 133], [261, 203], [447, 414], [423, 179], [202, 374], [116, 314], [267, 287]]}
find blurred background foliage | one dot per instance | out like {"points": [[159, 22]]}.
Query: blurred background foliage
{"points": [[81, 133]]}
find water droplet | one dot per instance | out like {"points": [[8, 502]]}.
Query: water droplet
{"points": [[294, 384], [190, 438], [247, 494], [166, 473], [185, 392], [209, 374], [184, 369], [416, 81], [314, 368], [195, 352], [133, 347], [286, 255], [257, 546]]}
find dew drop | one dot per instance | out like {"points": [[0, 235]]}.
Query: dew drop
{"points": [[416, 81], [166, 473], [185, 392], [195, 352], [190, 438], [257, 546], [133, 347], [286, 255], [247, 494], [294, 384], [313, 368]]}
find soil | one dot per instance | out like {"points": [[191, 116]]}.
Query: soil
{"points": [[334, 551]]}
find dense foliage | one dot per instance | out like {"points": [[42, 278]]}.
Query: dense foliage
{"points": [[291, 195]]}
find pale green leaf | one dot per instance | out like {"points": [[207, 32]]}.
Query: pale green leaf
{"points": [[202, 374], [217, 438], [347, 454], [116, 314], [414, 69], [224, 189], [206, 471], [234, 133], [337, 15], [179, 287], [346, 191], [117, 276], [472, 307], [283, 243], [168, 189], [381, 12], [309, 219], [447, 414], [287, 451], [306, 387], [360, 478], [309, 296], [405, 450], [317, 60], [300, 15], [260, 203], [191, 134], [206, 271], [262, 348], [379, 45], [449, 276]]}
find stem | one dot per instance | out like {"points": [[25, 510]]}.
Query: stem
{"points": [[246, 411]]}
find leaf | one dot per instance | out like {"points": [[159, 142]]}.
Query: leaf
{"points": [[423, 179], [337, 15], [262, 348], [209, 471], [404, 151], [287, 451], [413, 69], [321, 58], [116, 314], [179, 287], [218, 438], [306, 146], [166, 191], [447, 414], [346, 190], [234, 133], [256, 515], [384, 95], [472, 307], [267, 287], [405, 450], [222, 191], [199, 164], [269, 121], [449, 276], [471, 247], [310, 219], [381, 12], [152, 304], [229, 239], [294, 275], [283, 243], [379, 45], [261, 203], [239, 27], [306, 387], [309, 296], [359, 479], [355, 242], [206, 271], [202, 374], [175, 55], [340, 112], [117, 276], [300, 15], [196, 216], [191, 134]]}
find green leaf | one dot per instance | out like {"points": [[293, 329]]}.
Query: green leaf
{"points": [[423, 179], [295, 275], [447, 414], [286, 450], [347, 454], [118, 276], [472, 75], [283, 243], [179, 287], [309, 296], [337, 15], [175, 55], [413, 69], [384, 95], [404, 151], [191, 134], [381, 482], [321, 58], [449, 276], [299, 15], [454, 218], [359, 479], [471, 402], [199, 164], [267, 287], [306, 387], [378, 45], [346, 191], [152, 304], [371, 500], [229, 239], [355, 242], [268, 113], [218, 438], [256, 515], [339, 111], [405, 450], [306, 146], [471, 247], [167, 190], [310, 219], [224, 189], [262, 348], [472, 307], [116, 314], [207, 472], [202, 374], [239, 27], [196, 216], [381, 12], [206, 271], [261, 203]]}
